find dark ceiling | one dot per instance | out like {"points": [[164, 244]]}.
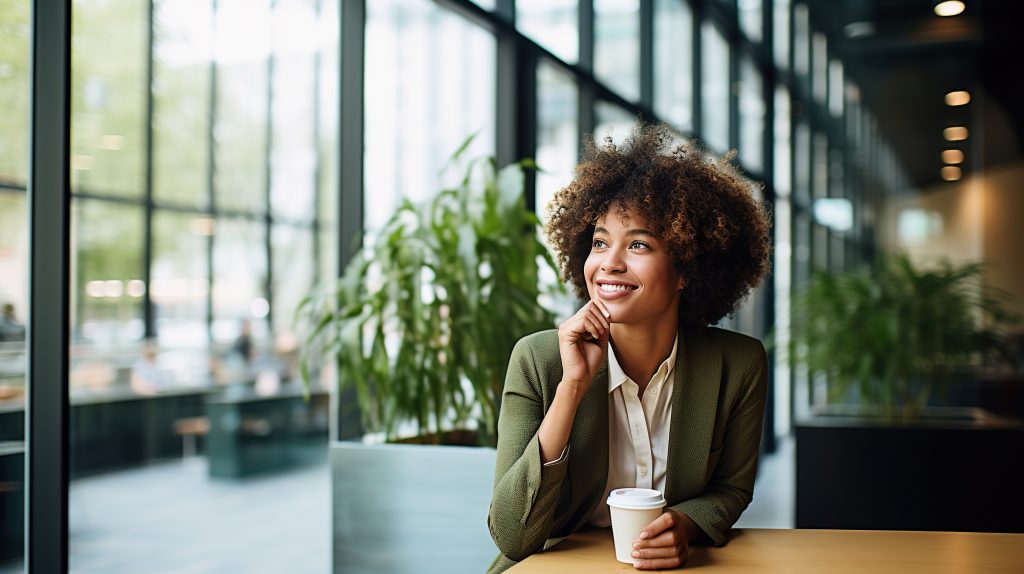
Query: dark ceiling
{"points": [[913, 58]]}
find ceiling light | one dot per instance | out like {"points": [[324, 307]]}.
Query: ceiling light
{"points": [[950, 173], [949, 8], [958, 98], [955, 133], [952, 156]]}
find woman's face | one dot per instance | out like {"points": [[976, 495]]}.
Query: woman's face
{"points": [[630, 270]]}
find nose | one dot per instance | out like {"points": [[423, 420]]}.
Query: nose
{"points": [[613, 262]]}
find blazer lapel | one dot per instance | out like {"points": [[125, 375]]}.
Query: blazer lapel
{"points": [[698, 373]]}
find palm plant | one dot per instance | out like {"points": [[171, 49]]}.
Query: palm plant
{"points": [[422, 322], [894, 333]]}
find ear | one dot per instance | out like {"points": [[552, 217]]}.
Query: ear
{"points": [[681, 284]]}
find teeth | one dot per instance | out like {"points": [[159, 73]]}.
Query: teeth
{"points": [[614, 288]]}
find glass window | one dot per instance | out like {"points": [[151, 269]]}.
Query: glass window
{"points": [[780, 33], [673, 65], [182, 52], [783, 169], [327, 134], [557, 142], [750, 18], [554, 24], [239, 279], [294, 266], [819, 81], [106, 299], [752, 116], [714, 89], [835, 88], [819, 176], [783, 212], [240, 127], [612, 120], [293, 155], [13, 296], [802, 163], [108, 96], [429, 85], [14, 92], [617, 46], [180, 284], [801, 40]]}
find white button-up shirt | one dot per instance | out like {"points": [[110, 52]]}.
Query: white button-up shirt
{"points": [[637, 430]]}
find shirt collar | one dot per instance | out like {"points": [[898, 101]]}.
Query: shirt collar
{"points": [[616, 376]]}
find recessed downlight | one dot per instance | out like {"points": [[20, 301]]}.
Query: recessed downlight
{"points": [[958, 98], [949, 8], [952, 156], [955, 133]]}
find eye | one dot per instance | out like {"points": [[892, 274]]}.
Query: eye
{"points": [[637, 244], [599, 244]]}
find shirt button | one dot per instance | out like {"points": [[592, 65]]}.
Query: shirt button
{"points": [[654, 391], [643, 471]]}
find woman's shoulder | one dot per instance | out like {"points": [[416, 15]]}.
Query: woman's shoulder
{"points": [[735, 346], [540, 345]]}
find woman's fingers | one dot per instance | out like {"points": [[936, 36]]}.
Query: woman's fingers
{"points": [[663, 522], [658, 563]]}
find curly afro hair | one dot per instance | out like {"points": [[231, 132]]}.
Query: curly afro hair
{"points": [[702, 208]]}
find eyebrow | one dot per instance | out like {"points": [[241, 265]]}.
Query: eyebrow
{"points": [[630, 232]]}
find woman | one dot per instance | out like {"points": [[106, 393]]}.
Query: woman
{"points": [[636, 389]]}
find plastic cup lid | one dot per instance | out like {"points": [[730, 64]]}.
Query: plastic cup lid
{"points": [[636, 498]]}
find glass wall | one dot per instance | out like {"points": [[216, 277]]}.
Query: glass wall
{"points": [[207, 201]]}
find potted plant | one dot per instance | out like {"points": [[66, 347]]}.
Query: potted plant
{"points": [[420, 327], [885, 339]]}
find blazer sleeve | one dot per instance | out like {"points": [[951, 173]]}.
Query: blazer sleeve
{"points": [[731, 486], [526, 491]]}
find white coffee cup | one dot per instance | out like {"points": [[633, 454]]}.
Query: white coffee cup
{"points": [[632, 509]]}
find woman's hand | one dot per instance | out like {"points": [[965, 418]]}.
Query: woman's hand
{"points": [[583, 345], [664, 543]]}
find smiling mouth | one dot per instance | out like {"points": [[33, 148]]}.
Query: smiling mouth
{"points": [[613, 288]]}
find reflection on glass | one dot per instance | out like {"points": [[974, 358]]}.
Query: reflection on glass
{"points": [[612, 121], [752, 114], [239, 279], [617, 46], [554, 24], [240, 132], [14, 91], [780, 33], [783, 143], [750, 18], [293, 158], [106, 270], [182, 50], [293, 276], [429, 86], [179, 278], [714, 89], [108, 88], [673, 65]]}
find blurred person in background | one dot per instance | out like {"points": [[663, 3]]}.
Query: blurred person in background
{"points": [[10, 328], [147, 378]]}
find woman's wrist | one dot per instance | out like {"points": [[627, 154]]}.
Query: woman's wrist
{"points": [[571, 391]]}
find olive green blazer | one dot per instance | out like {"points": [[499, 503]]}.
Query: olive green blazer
{"points": [[720, 386]]}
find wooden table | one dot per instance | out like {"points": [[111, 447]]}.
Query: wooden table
{"points": [[800, 551]]}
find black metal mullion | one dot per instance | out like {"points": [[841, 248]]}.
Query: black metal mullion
{"points": [[268, 174], [770, 195], [47, 336], [647, 54], [697, 9], [317, 162], [508, 92], [211, 176], [147, 236]]}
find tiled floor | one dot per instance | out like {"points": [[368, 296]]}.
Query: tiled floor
{"points": [[171, 518]]}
